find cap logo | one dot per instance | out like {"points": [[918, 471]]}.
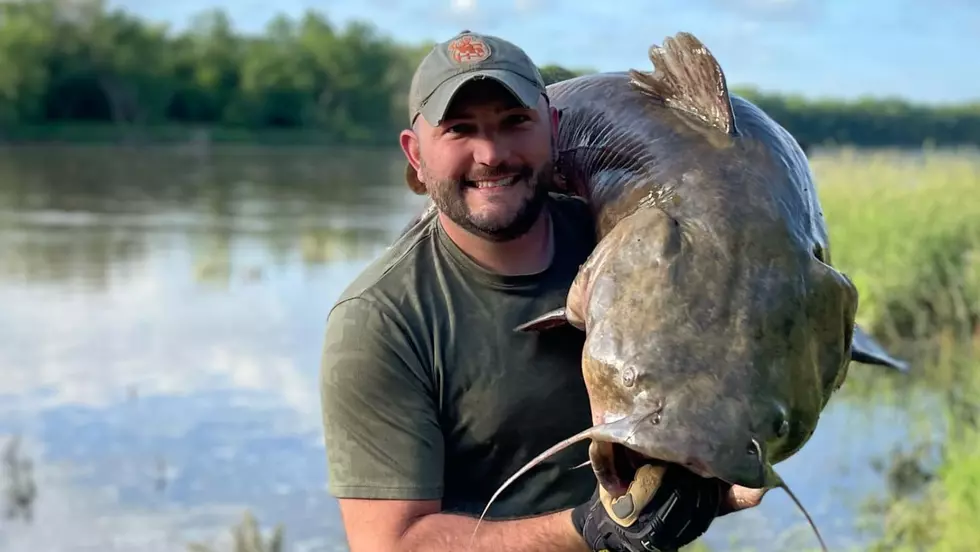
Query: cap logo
{"points": [[468, 49]]}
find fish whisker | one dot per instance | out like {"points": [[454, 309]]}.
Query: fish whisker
{"points": [[784, 486], [554, 449]]}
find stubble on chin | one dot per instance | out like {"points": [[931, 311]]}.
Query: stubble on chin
{"points": [[449, 197]]}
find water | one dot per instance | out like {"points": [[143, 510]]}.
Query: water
{"points": [[160, 332]]}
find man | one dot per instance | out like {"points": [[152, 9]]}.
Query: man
{"points": [[430, 399]]}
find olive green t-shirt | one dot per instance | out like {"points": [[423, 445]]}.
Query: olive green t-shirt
{"points": [[428, 392]]}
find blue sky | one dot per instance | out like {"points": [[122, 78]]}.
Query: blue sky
{"points": [[922, 51]]}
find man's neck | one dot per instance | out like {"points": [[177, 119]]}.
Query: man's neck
{"points": [[529, 254]]}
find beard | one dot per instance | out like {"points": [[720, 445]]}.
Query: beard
{"points": [[449, 196]]}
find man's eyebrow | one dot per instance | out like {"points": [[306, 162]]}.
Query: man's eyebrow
{"points": [[466, 114]]}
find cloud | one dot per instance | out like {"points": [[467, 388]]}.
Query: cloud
{"points": [[462, 6], [92, 362]]}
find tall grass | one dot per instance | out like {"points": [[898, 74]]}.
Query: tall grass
{"points": [[247, 537], [905, 227], [906, 230], [944, 513]]}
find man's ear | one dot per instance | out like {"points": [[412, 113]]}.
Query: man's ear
{"points": [[409, 142]]}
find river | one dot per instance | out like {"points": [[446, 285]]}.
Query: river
{"points": [[161, 318]]}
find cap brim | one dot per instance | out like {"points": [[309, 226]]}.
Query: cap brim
{"points": [[524, 90]]}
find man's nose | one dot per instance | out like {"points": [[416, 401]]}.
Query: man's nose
{"points": [[490, 151]]}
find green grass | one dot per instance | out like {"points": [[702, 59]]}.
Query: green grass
{"points": [[942, 514], [906, 230]]}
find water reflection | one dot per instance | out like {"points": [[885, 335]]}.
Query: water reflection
{"points": [[84, 216], [161, 329], [19, 489], [160, 337]]}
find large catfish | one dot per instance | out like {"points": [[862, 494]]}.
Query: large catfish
{"points": [[716, 326]]}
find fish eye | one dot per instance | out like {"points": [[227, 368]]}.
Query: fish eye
{"points": [[782, 428], [818, 252], [780, 424]]}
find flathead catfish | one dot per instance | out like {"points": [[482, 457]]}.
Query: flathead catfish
{"points": [[717, 328]]}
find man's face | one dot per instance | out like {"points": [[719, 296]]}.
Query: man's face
{"points": [[488, 164]]}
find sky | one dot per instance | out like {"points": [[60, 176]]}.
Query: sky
{"points": [[920, 51]]}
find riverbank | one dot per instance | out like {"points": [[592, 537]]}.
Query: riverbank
{"points": [[907, 231], [187, 135]]}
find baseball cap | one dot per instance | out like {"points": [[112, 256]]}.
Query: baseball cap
{"points": [[463, 58], [460, 60]]}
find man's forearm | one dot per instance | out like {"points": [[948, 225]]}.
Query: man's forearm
{"points": [[439, 532]]}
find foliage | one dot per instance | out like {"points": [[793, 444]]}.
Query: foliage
{"points": [[247, 537], [875, 122], [940, 512], [76, 61], [70, 66], [905, 229]]}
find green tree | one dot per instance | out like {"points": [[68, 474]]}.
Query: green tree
{"points": [[70, 62]]}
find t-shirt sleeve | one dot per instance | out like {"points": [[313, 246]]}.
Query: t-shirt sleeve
{"points": [[380, 415]]}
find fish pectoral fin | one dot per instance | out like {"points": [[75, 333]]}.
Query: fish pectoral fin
{"points": [[867, 350], [551, 319]]}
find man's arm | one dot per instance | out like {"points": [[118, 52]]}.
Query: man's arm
{"points": [[417, 526], [385, 448]]}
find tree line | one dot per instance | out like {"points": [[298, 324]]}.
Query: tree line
{"points": [[76, 62]]}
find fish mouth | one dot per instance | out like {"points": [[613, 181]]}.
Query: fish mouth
{"points": [[616, 465]]}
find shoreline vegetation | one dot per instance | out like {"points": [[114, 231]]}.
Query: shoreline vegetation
{"points": [[906, 230], [77, 71]]}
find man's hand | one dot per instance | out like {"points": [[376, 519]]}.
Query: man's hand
{"points": [[741, 498], [681, 509]]}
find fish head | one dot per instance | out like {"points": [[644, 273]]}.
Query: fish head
{"points": [[714, 338], [715, 355]]}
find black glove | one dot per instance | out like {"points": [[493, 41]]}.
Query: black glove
{"points": [[681, 510]]}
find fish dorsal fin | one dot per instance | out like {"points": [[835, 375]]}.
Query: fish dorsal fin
{"points": [[687, 77]]}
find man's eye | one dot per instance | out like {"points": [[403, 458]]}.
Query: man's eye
{"points": [[461, 128], [517, 119]]}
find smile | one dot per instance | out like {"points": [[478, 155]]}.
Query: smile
{"points": [[503, 182]]}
